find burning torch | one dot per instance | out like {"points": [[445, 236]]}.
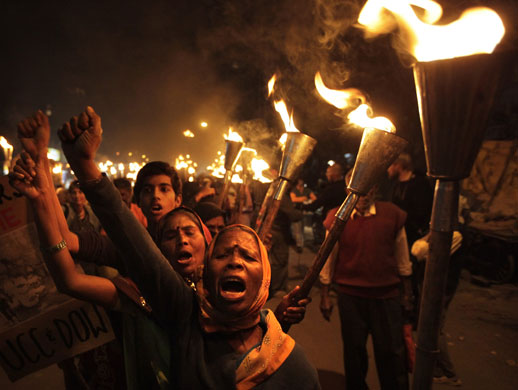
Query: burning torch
{"points": [[297, 149], [233, 145], [455, 96], [6, 156], [456, 79], [379, 147]]}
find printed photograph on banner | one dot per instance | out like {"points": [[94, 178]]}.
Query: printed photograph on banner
{"points": [[26, 288]]}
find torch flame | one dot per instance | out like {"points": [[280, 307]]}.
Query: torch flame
{"points": [[232, 136], [280, 107], [218, 166], [271, 83], [57, 169], [258, 167], [188, 133], [347, 98], [477, 31], [5, 144], [362, 117], [339, 98]]}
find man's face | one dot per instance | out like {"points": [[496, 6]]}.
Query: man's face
{"points": [[126, 195], [77, 197], [364, 202], [183, 244], [235, 272], [393, 171], [157, 197], [333, 173], [215, 225], [329, 173]]}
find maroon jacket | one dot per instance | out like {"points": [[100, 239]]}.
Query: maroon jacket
{"points": [[366, 265]]}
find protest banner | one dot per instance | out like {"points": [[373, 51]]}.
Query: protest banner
{"points": [[38, 325]]}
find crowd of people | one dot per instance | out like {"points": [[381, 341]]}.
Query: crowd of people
{"points": [[185, 281]]}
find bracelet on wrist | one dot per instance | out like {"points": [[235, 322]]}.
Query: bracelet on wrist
{"points": [[55, 248]]}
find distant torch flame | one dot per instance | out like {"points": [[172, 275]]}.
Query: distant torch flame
{"points": [[349, 98], [477, 31], [271, 83], [188, 134], [232, 136], [217, 168], [258, 167], [5, 144]]}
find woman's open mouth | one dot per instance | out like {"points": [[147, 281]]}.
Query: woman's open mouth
{"points": [[232, 288], [184, 257]]}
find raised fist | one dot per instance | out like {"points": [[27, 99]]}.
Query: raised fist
{"points": [[34, 134], [81, 136]]}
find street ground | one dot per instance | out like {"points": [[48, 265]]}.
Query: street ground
{"points": [[482, 327]]}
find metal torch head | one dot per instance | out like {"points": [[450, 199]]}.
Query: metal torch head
{"points": [[232, 149], [455, 97], [296, 151], [378, 150]]}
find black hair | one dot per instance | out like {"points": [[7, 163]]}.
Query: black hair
{"points": [[155, 168], [74, 184], [122, 183]]}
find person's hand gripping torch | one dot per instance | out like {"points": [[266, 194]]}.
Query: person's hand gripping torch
{"points": [[378, 149]]}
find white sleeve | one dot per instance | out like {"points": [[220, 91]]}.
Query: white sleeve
{"points": [[326, 274], [401, 253]]}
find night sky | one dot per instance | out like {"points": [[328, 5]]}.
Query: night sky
{"points": [[153, 69]]}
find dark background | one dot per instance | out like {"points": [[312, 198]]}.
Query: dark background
{"points": [[153, 69]]}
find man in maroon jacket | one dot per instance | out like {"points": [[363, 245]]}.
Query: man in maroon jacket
{"points": [[370, 267]]}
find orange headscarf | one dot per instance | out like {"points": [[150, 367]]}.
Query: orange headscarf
{"points": [[214, 320], [262, 361]]}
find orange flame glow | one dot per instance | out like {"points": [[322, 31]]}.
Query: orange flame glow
{"points": [[5, 144], [271, 84], [232, 136], [258, 167], [280, 107], [217, 168], [362, 117], [349, 98], [477, 31], [341, 99]]}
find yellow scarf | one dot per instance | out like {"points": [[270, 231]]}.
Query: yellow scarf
{"points": [[262, 361]]}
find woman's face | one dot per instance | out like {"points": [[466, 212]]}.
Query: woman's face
{"points": [[183, 244], [235, 271]]}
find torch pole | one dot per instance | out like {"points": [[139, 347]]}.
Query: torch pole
{"points": [[342, 216], [444, 214], [226, 186], [265, 205], [265, 228]]}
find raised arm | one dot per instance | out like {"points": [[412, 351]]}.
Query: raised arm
{"points": [[30, 179], [34, 134], [164, 289]]}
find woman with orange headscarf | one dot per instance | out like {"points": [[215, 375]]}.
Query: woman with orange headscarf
{"points": [[221, 338]]}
